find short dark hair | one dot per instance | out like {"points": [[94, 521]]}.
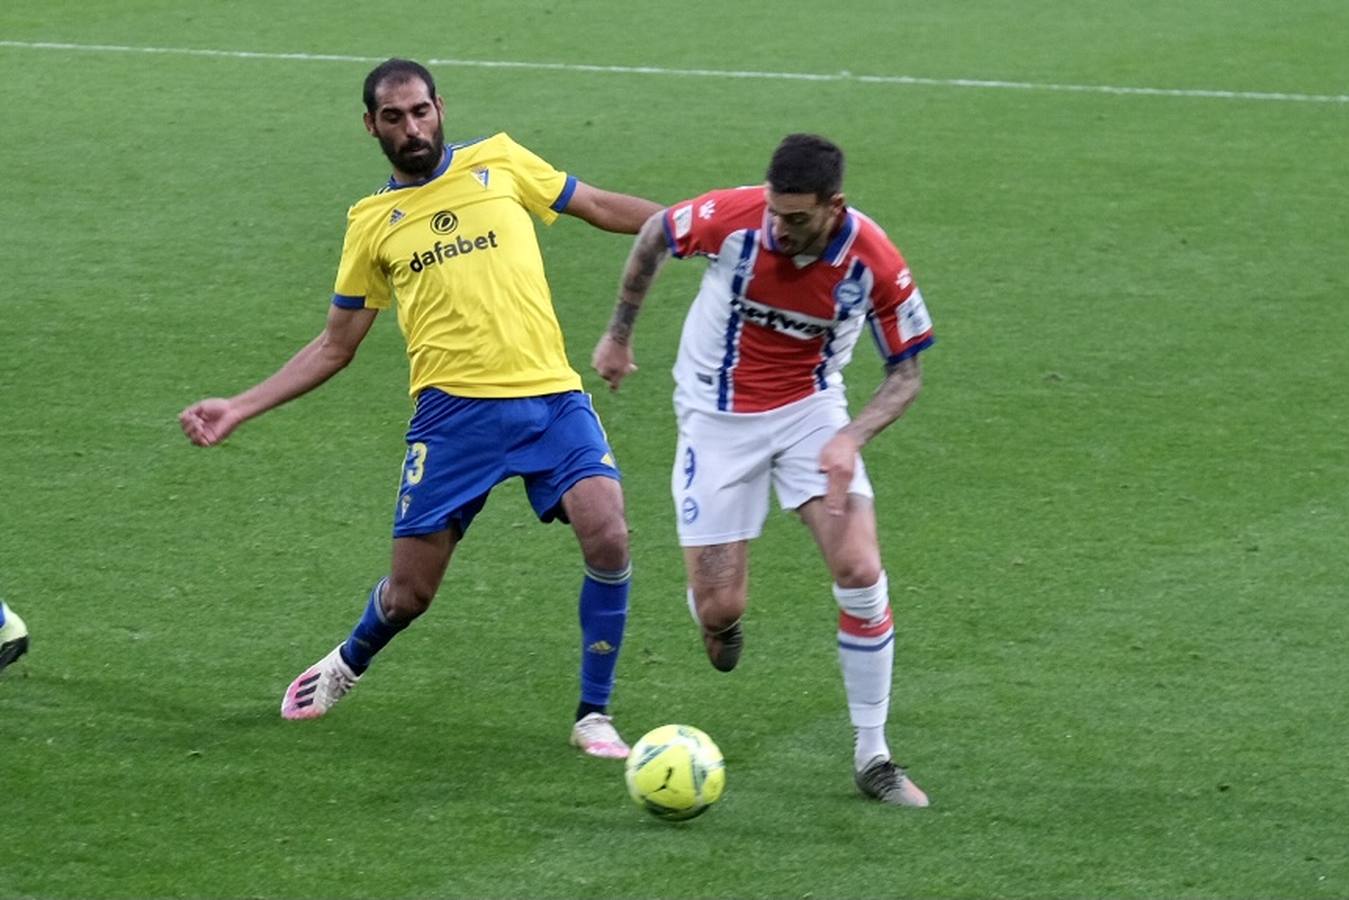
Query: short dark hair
{"points": [[806, 164], [397, 71]]}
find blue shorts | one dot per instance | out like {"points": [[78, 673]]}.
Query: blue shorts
{"points": [[459, 448]]}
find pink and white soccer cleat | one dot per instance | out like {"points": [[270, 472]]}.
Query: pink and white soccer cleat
{"points": [[322, 685], [13, 637], [595, 735]]}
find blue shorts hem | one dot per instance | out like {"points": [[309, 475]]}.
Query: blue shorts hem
{"points": [[553, 511]]}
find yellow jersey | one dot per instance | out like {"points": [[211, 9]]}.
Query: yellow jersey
{"points": [[458, 256]]}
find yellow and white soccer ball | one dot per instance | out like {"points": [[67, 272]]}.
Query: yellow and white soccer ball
{"points": [[675, 772]]}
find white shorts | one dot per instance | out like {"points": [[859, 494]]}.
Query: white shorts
{"points": [[725, 461]]}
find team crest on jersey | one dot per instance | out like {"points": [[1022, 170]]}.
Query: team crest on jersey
{"points": [[848, 294], [482, 175], [444, 222]]}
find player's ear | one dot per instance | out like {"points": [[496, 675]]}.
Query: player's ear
{"points": [[370, 124], [838, 202]]}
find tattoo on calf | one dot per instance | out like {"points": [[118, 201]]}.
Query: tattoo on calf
{"points": [[719, 564]]}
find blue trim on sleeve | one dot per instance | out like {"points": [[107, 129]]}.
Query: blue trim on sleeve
{"points": [[669, 234], [343, 301], [560, 204], [911, 351]]}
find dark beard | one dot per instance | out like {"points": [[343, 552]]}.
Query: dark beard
{"points": [[410, 158]]}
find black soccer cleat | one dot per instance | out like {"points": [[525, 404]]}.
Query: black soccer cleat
{"points": [[882, 780], [724, 646]]}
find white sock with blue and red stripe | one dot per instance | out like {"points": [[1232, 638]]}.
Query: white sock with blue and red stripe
{"points": [[866, 654]]}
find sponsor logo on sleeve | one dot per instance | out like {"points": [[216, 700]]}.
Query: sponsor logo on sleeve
{"points": [[913, 317], [683, 221], [707, 209]]}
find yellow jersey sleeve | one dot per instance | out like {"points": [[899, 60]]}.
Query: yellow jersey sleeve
{"points": [[361, 280], [541, 189]]}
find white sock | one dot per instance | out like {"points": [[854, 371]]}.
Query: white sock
{"points": [[693, 607], [866, 654], [870, 743]]}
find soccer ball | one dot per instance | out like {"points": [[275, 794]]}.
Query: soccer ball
{"points": [[675, 772]]}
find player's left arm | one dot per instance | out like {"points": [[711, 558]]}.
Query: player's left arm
{"points": [[613, 358], [838, 458], [621, 213]]}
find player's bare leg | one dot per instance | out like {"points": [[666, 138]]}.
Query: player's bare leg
{"points": [[594, 506], [865, 639], [719, 587], [416, 571]]}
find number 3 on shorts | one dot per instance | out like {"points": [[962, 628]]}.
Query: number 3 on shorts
{"points": [[415, 467]]}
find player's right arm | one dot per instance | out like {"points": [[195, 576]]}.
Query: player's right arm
{"points": [[208, 422], [613, 358]]}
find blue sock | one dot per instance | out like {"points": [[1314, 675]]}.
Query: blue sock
{"points": [[2, 615], [604, 613], [371, 633]]}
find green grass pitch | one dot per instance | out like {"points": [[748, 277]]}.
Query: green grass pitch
{"points": [[1115, 522]]}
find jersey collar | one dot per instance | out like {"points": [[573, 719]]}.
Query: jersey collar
{"points": [[440, 170], [834, 254], [838, 248]]}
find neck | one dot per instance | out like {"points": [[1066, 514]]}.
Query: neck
{"points": [[816, 247]]}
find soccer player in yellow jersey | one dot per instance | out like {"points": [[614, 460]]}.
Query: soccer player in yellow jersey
{"points": [[450, 243]]}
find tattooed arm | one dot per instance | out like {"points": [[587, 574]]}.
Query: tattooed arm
{"points": [[612, 358], [838, 458]]}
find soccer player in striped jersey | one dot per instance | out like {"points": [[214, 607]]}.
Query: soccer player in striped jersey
{"points": [[449, 242], [795, 276]]}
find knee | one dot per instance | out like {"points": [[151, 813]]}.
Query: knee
{"points": [[862, 572], [719, 606], [406, 599], [606, 546]]}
